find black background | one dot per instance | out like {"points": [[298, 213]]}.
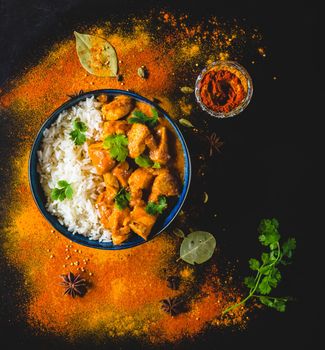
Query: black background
{"points": [[267, 168]]}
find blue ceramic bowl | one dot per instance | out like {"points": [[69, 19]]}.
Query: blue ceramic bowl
{"points": [[40, 198]]}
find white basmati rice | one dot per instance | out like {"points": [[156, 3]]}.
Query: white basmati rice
{"points": [[60, 159]]}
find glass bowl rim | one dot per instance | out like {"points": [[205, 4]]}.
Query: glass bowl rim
{"points": [[244, 102]]}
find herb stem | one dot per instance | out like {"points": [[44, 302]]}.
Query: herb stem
{"points": [[266, 274], [251, 293], [257, 278], [273, 298]]}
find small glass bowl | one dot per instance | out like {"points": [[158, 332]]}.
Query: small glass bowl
{"points": [[233, 66]]}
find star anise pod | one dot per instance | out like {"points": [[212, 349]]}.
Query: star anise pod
{"points": [[215, 143], [173, 282], [172, 306], [74, 284], [76, 94]]}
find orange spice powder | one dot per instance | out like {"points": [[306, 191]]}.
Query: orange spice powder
{"points": [[221, 90], [47, 85], [125, 287]]}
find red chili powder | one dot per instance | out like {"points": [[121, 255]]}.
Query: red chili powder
{"points": [[221, 90]]}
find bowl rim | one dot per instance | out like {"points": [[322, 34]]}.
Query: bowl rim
{"points": [[244, 102], [35, 186]]}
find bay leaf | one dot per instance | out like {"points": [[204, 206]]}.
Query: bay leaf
{"points": [[197, 247], [187, 90], [186, 123], [179, 233], [96, 55]]}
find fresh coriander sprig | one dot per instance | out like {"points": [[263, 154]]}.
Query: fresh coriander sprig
{"points": [[153, 208], [140, 117], [63, 191], [145, 162], [122, 199], [267, 275], [118, 146], [77, 135]]}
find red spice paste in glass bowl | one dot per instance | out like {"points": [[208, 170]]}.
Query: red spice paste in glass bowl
{"points": [[223, 89]]}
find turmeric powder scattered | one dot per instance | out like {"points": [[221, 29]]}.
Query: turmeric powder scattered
{"points": [[124, 297]]}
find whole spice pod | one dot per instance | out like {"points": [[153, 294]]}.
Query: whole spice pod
{"points": [[173, 306], [74, 284], [143, 72]]}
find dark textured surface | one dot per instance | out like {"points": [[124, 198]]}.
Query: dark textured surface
{"points": [[266, 169]]}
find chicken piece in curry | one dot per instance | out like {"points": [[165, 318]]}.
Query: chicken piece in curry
{"points": [[137, 139], [101, 158], [141, 162], [118, 108]]}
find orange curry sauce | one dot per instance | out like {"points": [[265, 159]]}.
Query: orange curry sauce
{"points": [[150, 171]]}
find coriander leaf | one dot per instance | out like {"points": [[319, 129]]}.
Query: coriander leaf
{"points": [[264, 270], [269, 233], [63, 191], [254, 264], [272, 280], [62, 196], [276, 274], [79, 125], [122, 199], [266, 301], [153, 208], [68, 192], [265, 258], [141, 118], [273, 255], [78, 137], [288, 247], [55, 193], [63, 183], [143, 161], [268, 275], [249, 282], [77, 134], [273, 246], [156, 165], [264, 286], [278, 304], [117, 145], [154, 113]]}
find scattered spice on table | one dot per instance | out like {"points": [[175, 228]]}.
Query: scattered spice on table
{"points": [[173, 282], [124, 288]]}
